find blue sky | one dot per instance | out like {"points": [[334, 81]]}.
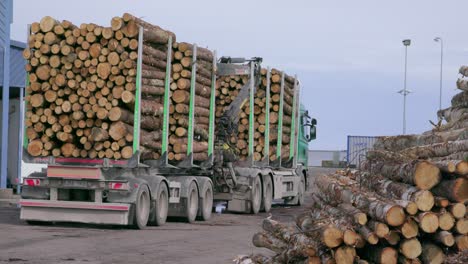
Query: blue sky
{"points": [[348, 54]]}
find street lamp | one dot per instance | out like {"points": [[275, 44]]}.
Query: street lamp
{"points": [[439, 39], [405, 92]]}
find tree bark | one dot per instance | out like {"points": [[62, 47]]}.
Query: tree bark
{"points": [[455, 190]]}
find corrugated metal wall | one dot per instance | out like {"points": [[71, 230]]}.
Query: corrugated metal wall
{"points": [[357, 148], [17, 63]]}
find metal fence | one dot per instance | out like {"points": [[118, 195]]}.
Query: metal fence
{"points": [[358, 147]]}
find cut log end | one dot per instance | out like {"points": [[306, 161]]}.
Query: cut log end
{"points": [[409, 229], [412, 208], [424, 200], [426, 175], [446, 221], [332, 237], [345, 255], [388, 255], [411, 248], [395, 216], [458, 210], [428, 222], [432, 254], [462, 242], [462, 226], [360, 218]]}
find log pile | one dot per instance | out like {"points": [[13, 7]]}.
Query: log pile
{"points": [[228, 88], [405, 204], [82, 91]]}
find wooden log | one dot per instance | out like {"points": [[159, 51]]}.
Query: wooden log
{"points": [[461, 226], [411, 248], [460, 100], [458, 210], [423, 174], [396, 190], [379, 254], [380, 229], [436, 150], [368, 235], [266, 240], [410, 207], [398, 143], [386, 212], [152, 33], [358, 216], [345, 255], [47, 24], [409, 229], [432, 254], [445, 238], [35, 148], [305, 245], [98, 134], [455, 190], [393, 238], [446, 220], [155, 53], [428, 222], [441, 201], [461, 242]]}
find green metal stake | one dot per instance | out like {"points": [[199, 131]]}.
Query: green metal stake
{"points": [[212, 109], [137, 111], [293, 123], [167, 84], [280, 122], [266, 149], [251, 110], [192, 104]]}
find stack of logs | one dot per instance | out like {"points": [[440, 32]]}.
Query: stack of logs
{"points": [[406, 204], [180, 101], [82, 91], [229, 87]]}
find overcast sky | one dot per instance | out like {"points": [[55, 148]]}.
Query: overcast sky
{"points": [[347, 54]]}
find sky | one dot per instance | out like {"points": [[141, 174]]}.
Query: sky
{"points": [[348, 55]]}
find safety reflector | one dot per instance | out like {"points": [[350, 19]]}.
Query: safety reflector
{"points": [[32, 182], [119, 186]]}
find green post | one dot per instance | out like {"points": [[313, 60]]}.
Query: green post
{"points": [[167, 90], [280, 122], [137, 110], [192, 104], [251, 110], [212, 109], [298, 124], [292, 137], [266, 149]]}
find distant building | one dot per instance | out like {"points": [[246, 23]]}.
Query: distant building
{"points": [[318, 158]]}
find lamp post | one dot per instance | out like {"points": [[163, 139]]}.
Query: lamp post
{"points": [[439, 39], [405, 92]]}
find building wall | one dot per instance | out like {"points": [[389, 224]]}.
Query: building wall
{"points": [[317, 156], [13, 139]]}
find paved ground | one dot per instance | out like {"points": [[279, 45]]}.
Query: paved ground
{"points": [[216, 241]]}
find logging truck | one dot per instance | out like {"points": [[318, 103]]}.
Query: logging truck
{"points": [[174, 149]]}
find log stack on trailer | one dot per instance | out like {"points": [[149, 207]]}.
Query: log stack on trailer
{"points": [[405, 204], [108, 92], [280, 92]]}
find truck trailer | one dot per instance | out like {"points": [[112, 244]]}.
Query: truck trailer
{"points": [[139, 191]]}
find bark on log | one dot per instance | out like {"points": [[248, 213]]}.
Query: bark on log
{"points": [[389, 213], [423, 174], [436, 150], [395, 190], [398, 143], [432, 254], [460, 100], [455, 190]]}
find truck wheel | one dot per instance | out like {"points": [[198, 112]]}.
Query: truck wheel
{"points": [[161, 206], [192, 203], [268, 194], [299, 198], [142, 207], [256, 196], [206, 203]]}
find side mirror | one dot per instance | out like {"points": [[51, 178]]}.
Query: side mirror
{"points": [[313, 121], [313, 133]]}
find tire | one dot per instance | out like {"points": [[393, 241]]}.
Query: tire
{"points": [[192, 203], [256, 196], [142, 208], [301, 194], [161, 206], [299, 198], [206, 203], [268, 194]]}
